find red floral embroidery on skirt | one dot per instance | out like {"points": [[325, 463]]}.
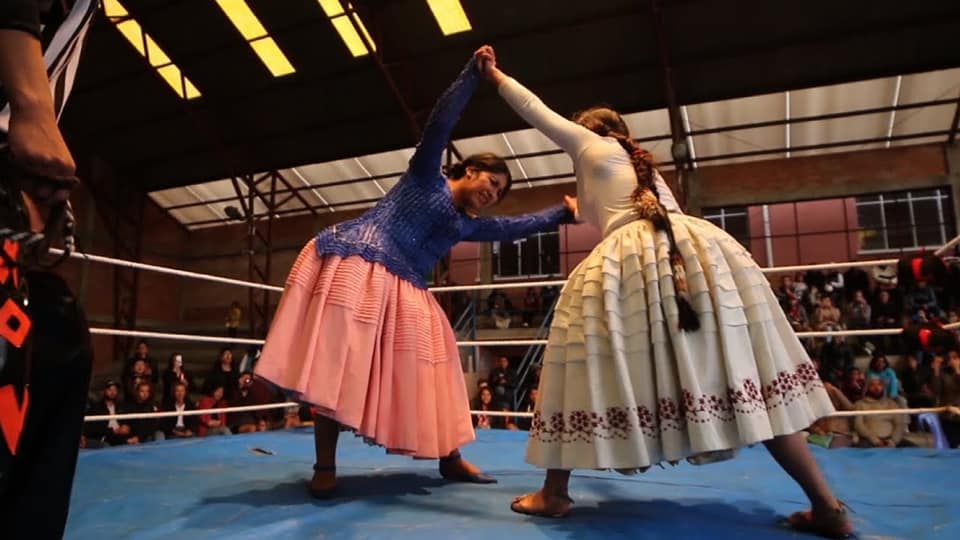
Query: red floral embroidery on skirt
{"points": [[620, 422]]}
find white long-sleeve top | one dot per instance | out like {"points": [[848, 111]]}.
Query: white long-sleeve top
{"points": [[606, 178]]}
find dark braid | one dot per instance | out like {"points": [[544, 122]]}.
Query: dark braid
{"points": [[646, 198]]}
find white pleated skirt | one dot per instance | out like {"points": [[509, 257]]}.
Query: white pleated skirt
{"points": [[622, 388]]}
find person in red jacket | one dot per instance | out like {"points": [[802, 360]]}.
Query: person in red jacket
{"points": [[213, 424]]}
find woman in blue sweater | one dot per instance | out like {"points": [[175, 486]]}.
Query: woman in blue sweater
{"points": [[358, 334]]}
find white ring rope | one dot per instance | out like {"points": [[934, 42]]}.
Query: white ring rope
{"points": [[178, 337], [827, 266], [948, 246], [465, 343], [451, 288], [196, 412], [290, 404], [167, 270]]}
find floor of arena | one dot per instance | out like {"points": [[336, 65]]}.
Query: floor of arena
{"points": [[253, 486]]}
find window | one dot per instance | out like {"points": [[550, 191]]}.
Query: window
{"points": [[537, 255], [905, 220], [733, 219]]}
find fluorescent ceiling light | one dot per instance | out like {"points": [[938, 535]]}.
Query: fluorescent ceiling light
{"points": [[348, 32], [148, 48], [450, 16], [256, 35]]}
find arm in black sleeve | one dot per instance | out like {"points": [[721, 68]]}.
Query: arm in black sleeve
{"points": [[23, 15]]}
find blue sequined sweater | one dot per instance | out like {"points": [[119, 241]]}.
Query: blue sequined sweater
{"points": [[416, 223]]}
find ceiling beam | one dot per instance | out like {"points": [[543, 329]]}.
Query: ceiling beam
{"points": [[295, 194], [412, 122]]}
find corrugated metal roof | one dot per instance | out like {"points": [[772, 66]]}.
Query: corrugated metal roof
{"points": [[329, 193]]}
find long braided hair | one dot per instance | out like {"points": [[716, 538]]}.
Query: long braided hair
{"points": [[608, 123]]}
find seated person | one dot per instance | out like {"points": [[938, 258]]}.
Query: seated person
{"points": [[145, 429], [917, 382], [244, 422], [834, 431], [180, 426], [853, 384], [213, 424], [112, 432], [884, 431], [486, 403]]}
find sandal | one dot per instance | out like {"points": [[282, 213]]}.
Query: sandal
{"points": [[551, 510], [323, 493], [834, 525]]}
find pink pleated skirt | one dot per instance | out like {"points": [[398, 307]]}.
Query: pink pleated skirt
{"points": [[371, 351]]}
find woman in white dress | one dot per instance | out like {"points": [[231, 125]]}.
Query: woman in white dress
{"points": [[667, 342]]}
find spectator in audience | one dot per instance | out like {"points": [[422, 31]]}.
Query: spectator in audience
{"points": [[233, 318], [815, 279], [885, 312], [213, 424], [145, 429], [855, 279], [799, 287], [834, 431], [797, 315], [501, 314], [529, 404], [224, 373], [836, 356], [139, 373], [174, 375], [880, 369], [244, 422], [882, 431], [834, 286], [946, 385], [502, 380], [108, 432], [179, 427], [858, 312], [785, 292], [531, 306], [921, 298], [853, 384], [142, 352], [292, 417], [486, 403], [826, 316], [498, 297], [917, 381]]}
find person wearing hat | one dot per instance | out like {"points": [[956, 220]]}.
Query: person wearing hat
{"points": [[108, 432]]}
